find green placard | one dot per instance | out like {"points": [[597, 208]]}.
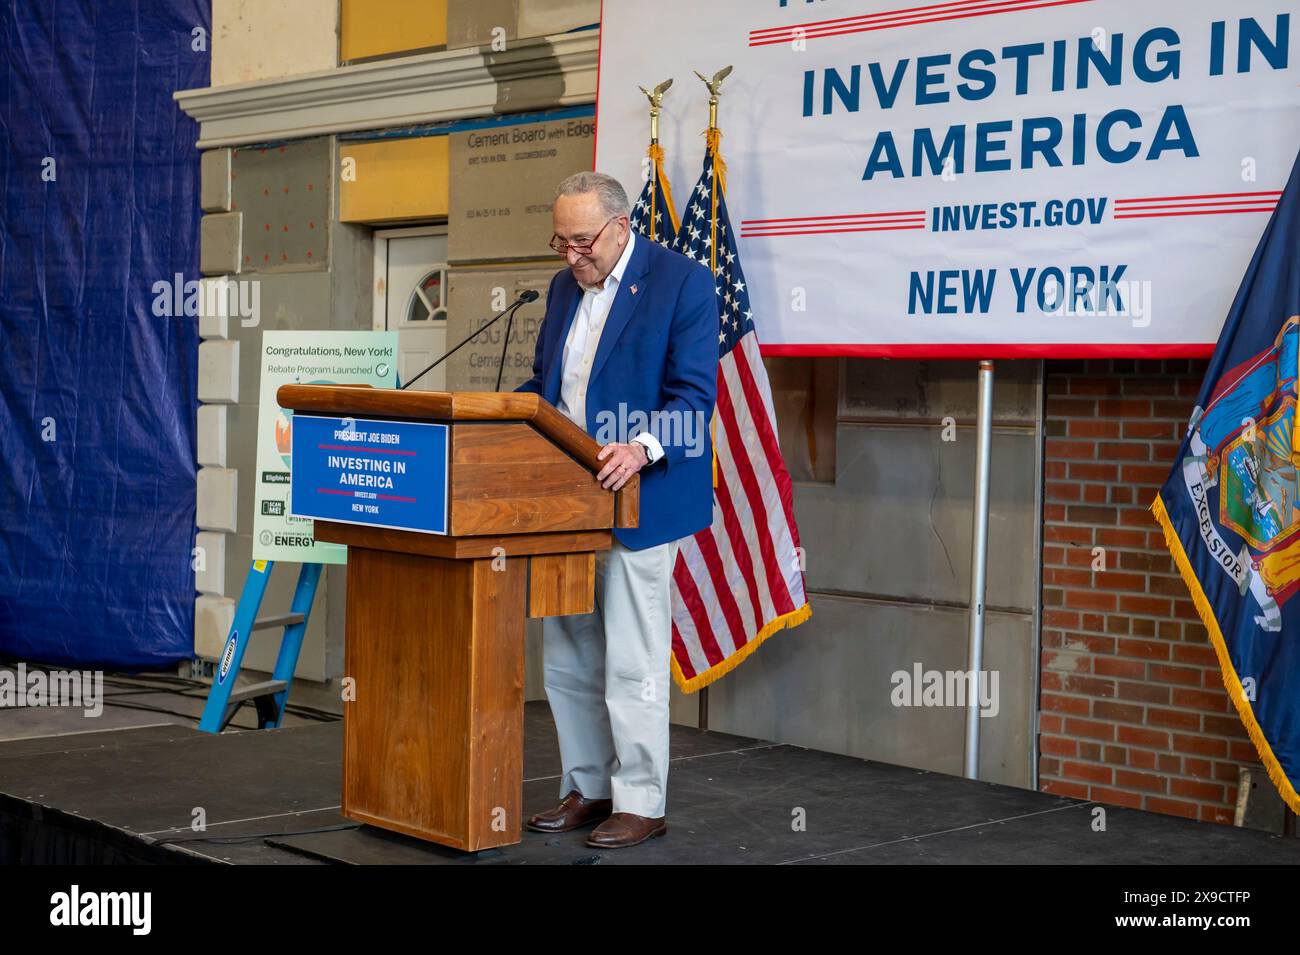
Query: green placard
{"points": [[305, 357]]}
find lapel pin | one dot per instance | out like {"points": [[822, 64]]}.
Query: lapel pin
{"points": [[632, 289]]}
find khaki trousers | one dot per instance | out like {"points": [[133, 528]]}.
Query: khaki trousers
{"points": [[607, 679]]}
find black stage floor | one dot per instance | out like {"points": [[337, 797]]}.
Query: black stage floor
{"points": [[128, 795]]}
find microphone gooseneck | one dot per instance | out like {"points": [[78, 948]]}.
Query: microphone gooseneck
{"points": [[528, 295]]}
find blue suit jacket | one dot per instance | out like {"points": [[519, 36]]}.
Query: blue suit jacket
{"points": [[656, 370]]}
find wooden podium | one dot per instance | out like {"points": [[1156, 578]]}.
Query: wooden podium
{"points": [[433, 737]]}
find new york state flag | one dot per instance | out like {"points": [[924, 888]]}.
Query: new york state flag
{"points": [[1230, 509]]}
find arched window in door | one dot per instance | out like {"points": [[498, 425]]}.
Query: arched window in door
{"points": [[429, 298]]}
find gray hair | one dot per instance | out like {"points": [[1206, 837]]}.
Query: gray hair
{"points": [[613, 200]]}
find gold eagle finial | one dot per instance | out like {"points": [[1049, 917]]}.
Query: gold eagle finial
{"points": [[656, 97], [715, 84]]}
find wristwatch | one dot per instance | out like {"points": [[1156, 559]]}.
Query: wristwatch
{"points": [[645, 449]]}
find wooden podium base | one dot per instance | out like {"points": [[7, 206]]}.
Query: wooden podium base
{"points": [[433, 728], [433, 741]]}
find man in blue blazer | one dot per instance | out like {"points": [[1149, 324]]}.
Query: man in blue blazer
{"points": [[628, 350]]}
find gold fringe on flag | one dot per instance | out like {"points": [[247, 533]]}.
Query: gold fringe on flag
{"points": [[656, 153], [1230, 679], [717, 672], [713, 140], [719, 181]]}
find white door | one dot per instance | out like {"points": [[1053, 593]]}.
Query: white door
{"points": [[411, 282]]}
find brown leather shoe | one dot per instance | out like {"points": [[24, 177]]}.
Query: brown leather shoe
{"points": [[623, 829], [573, 812]]}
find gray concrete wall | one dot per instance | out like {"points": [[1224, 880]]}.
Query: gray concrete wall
{"points": [[888, 563]]}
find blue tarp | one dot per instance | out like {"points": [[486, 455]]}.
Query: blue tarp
{"points": [[97, 393]]}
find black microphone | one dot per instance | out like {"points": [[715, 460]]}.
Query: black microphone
{"points": [[505, 345], [529, 295]]}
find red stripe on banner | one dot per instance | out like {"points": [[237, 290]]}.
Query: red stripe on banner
{"points": [[993, 349], [1215, 195], [1212, 204], [690, 595], [864, 17], [359, 447], [679, 651], [808, 220], [889, 228], [726, 599], [739, 544], [744, 470], [772, 448], [916, 21], [1199, 212], [900, 17]]}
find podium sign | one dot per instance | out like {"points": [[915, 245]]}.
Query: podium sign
{"points": [[389, 474]]}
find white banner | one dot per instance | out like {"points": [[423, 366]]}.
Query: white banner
{"points": [[973, 178]]}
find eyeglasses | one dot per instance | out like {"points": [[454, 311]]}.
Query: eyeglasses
{"points": [[563, 247]]}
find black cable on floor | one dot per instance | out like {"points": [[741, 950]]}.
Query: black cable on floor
{"points": [[295, 709], [145, 707], [230, 840]]}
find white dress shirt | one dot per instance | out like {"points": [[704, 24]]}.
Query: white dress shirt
{"points": [[582, 342]]}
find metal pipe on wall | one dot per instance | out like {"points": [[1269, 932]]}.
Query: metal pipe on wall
{"points": [[978, 567]]}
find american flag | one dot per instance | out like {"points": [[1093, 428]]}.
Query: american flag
{"points": [[654, 216], [740, 580]]}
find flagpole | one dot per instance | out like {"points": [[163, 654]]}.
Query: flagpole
{"points": [[654, 170], [656, 98], [978, 567], [715, 90]]}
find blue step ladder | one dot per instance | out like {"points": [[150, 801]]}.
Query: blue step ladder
{"points": [[269, 696]]}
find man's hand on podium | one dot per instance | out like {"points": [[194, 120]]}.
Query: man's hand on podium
{"points": [[624, 461]]}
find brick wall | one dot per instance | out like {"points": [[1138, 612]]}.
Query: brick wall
{"points": [[1133, 708]]}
